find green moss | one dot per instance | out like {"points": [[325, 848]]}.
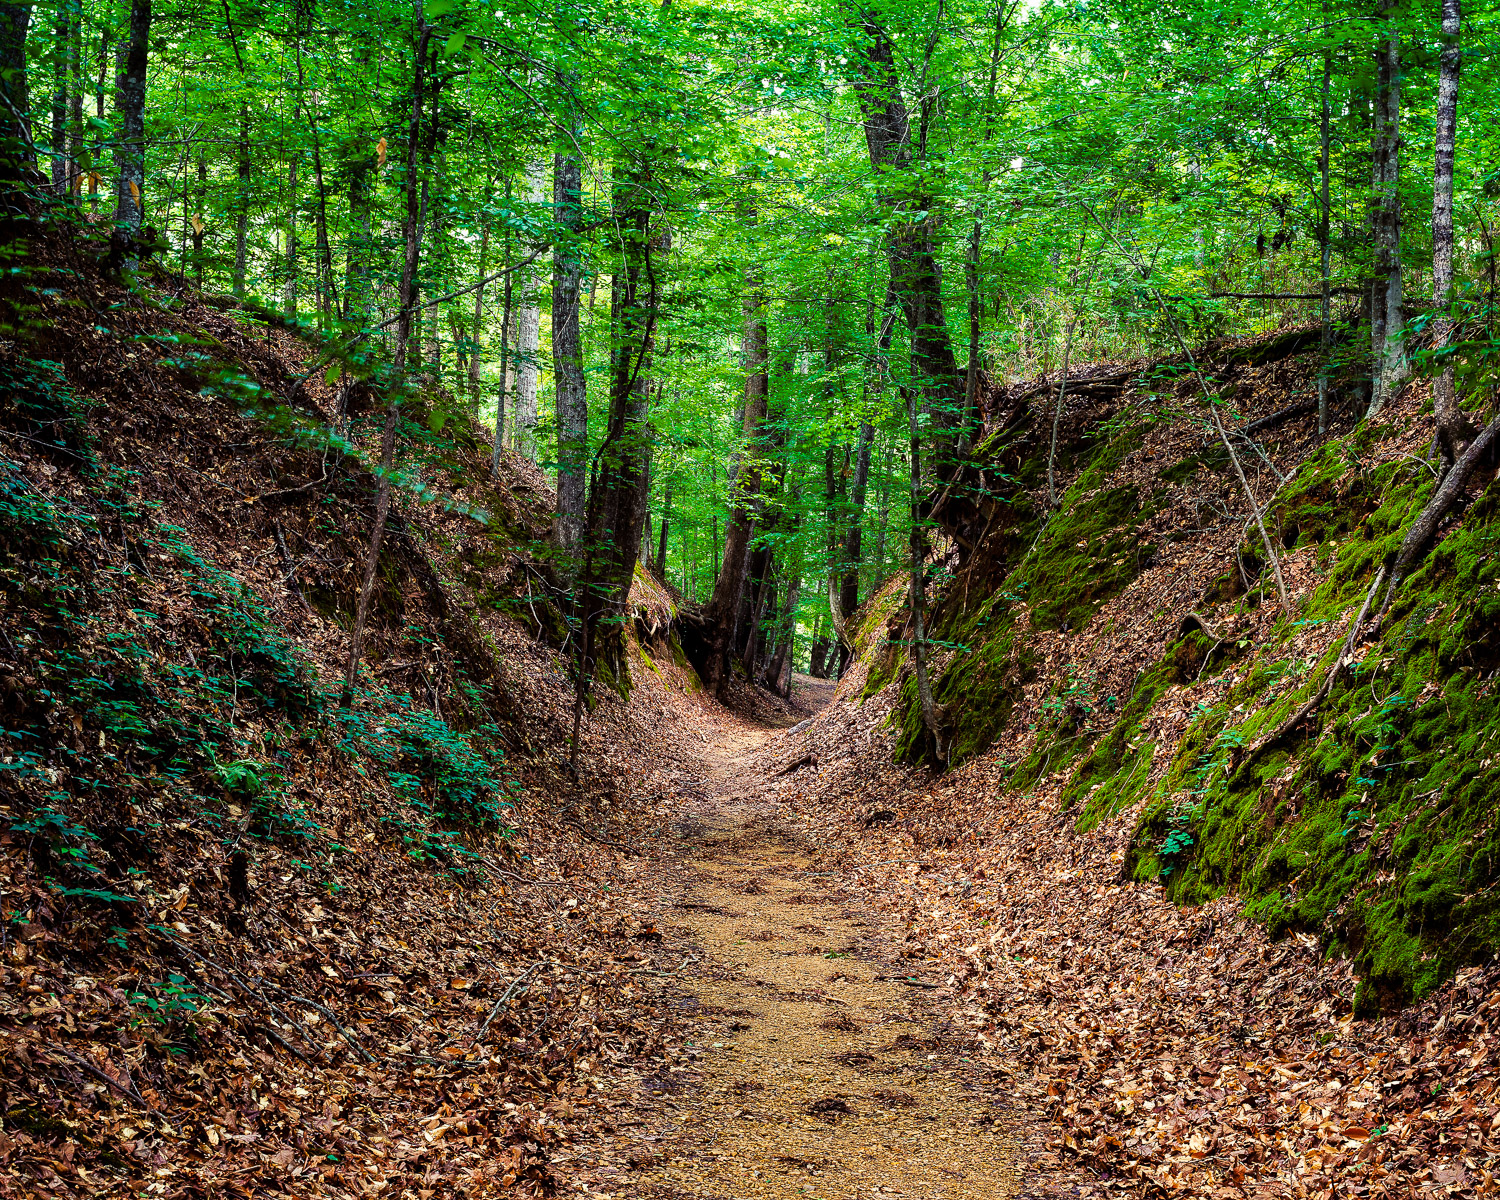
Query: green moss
{"points": [[1379, 829]]}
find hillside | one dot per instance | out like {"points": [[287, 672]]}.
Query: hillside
{"points": [[1193, 929], [254, 938]]}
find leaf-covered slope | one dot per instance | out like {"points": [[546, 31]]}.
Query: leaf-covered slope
{"points": [[1121, 659], [251, 935]]}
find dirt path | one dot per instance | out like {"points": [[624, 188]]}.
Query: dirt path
{"points": [[823, 1068]]}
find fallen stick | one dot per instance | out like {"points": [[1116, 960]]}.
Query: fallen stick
{"points": [[504, 996], [344, 1033], [1326, 687], [79, 1061], [906, 979], [234, 978]]}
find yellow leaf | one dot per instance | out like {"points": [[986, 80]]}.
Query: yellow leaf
{"points": [[197, 224], [380, 153], [135, 193]]}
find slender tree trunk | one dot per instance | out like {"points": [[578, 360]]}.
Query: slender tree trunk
{"points": [[327, 295], [410, 261], [197, 223], [1392, 366], [1057, 411], [666, 519], [130, 194], [528, 334], [778, 673], [290, 285], [477, 329], [75, 103], [357, 254], [854, 534], [730, 582], [1325, 214], [567, 351], [1453, 430], [502, 394], [918, 585], [63, 46], [242, 201]]}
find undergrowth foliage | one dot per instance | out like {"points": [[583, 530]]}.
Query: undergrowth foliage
{"points": [[146, 687]]}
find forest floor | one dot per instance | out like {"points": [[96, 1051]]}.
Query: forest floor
{"points": [[822, 1065]]}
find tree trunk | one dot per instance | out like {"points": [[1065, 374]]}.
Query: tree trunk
{"points": [[918, 586], [617, 507], [916, 277], [1453, 430], [1325, 216], [502, 393], [1389, 335], [528, 334], [567, 353], [410, 261], [290, 283], [130, 194], [242, 201], [666, 519], [15, 138], [64, 46], [198, 226], [75, 106], [779, 672], [477, 329], [728, 587], [357, 253], [1057, 411], [854, 535]]}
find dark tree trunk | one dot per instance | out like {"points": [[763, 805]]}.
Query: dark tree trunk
{"points": [[666, 518], [410, 261], [502, 393], [853, 537], [478, 327], [1325, 239], [15, 138], [567, 355], [130, 194], [242, 201], [729, 586], [60, 98], [617, 506], [916, 278]]}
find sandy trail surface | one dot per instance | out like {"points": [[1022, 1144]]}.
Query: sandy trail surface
{"points": [[823, 1065]]}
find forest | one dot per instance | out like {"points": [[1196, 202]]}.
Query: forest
{"points": [[497, 500]]}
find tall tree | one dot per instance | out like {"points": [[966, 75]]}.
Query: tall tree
{"points": [[412, 230], [130, 100], [1388, 326], [567, 346], [729, 586], [1453, 429]]}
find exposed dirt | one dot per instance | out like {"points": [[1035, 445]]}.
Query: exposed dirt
{"points": [[821, 1064]]}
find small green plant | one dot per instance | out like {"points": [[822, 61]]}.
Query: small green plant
{"points": [[171, 1000]]}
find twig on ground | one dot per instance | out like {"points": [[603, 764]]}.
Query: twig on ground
{"points": [[505, 996]]}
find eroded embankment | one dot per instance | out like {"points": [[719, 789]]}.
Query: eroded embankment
{"points": [[1111, 688]]}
